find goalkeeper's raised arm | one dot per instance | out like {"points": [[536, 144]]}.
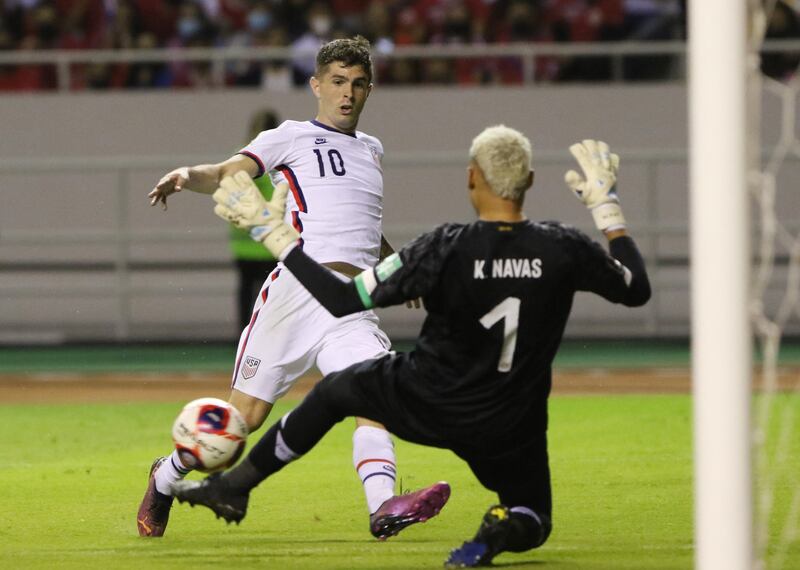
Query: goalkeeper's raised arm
{"points": [[202, 178], [597, 188]]}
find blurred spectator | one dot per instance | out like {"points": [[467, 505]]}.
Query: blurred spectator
{"points": [[351, 14], [263, 29], [16, 78], [41, 28], [437, 71], [320, 23], [124, 27], [410, 28], [159, 17], [585, 21], [81, 23], [518, 21], [376, 26], [784, 24], [294, 15], [193, 30], [259, 25], [38, 29], [402, 72], [276, 75], [304, 25], [147, 75], [651, 20]]}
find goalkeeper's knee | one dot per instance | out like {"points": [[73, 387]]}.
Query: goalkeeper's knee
{"points": [[515, 529], [527, 529]]}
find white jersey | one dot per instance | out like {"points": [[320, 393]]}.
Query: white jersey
{"points": [[336, 181]]}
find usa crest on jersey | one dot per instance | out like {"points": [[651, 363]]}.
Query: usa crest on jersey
{"points": [[376, 154], [250, 367]]}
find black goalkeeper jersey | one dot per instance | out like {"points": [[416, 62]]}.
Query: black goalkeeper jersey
{"points": [[498, 296]]}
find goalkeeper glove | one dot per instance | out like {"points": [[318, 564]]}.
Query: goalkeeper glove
{"points": [[598, 190], [239, 202]]}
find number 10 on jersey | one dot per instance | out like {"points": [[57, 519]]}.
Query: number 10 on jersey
{"points": [[336, 160]]}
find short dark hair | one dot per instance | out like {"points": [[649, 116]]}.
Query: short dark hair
{"points": [[348, 51]]}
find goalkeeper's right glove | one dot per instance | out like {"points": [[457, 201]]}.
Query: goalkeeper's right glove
{"points": [[240, 202], [598, 191]]}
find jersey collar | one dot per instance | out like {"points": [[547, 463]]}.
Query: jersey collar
{"points": [[327, 128]]}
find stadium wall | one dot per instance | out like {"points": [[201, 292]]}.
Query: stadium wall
{"points": [[85, 258]]}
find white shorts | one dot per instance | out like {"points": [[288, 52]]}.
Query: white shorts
{"points": [[290, 332]]}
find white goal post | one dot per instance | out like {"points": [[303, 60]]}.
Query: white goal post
{"points": [[720, 276]]}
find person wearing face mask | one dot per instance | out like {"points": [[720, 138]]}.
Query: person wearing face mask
{"points": [[319, 26], [192, 30], [259, 25], [259, 19], [191, 24]]}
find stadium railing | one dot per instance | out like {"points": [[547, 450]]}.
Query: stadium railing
{"points": [[219, 58]]}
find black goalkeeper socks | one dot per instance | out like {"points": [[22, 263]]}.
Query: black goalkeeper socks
{"points": [[303, 428], [259, 464], [243, 477]]}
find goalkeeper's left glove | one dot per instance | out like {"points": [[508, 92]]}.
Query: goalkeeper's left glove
{"points": [[598, 190], [240, 202]]}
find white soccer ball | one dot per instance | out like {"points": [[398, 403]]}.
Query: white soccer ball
{"points": [[209, 434]]}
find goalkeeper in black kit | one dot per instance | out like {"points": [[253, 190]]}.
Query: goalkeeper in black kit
{"points": [[498, 293]]}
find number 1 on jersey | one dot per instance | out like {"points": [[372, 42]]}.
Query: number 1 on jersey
{"points": [[508, 312]]}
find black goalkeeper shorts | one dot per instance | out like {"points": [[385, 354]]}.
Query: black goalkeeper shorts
{"points": [[518, 470]]}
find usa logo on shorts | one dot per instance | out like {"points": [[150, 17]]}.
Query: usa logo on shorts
{"points": [[250, 367]]}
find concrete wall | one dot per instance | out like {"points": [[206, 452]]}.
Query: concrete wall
{"points": [[120, 269]]}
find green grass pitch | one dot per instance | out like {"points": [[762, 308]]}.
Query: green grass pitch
{"points": [[72, 476]]}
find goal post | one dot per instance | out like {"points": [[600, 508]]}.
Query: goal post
{"points": [[720, 276]]}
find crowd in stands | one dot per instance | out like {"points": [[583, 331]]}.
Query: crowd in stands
{"points": [[304, 25]]}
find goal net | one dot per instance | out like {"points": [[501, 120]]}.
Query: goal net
{"points": [[774, 89]]}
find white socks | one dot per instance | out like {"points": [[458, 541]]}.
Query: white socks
{"points": [[373, 458], [170, 471]]}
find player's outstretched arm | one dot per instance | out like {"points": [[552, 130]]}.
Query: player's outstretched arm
{"points": [[597, 190], [202, 178]]}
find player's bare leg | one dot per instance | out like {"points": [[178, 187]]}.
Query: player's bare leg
{"points": [[153, 514], [253, 410]]}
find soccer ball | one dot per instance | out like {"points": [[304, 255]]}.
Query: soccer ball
{"points": [[209, 434]]}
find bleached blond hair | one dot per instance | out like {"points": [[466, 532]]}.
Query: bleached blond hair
{"points": [[504, 156]]}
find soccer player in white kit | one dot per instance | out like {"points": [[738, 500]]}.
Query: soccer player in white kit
{"points": [[335, 200]]}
